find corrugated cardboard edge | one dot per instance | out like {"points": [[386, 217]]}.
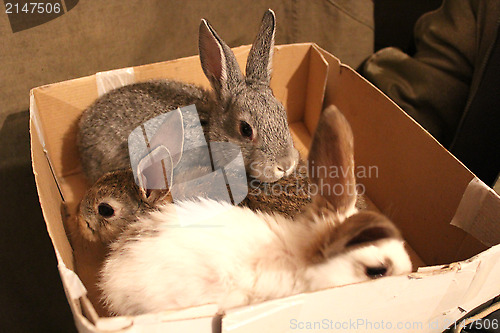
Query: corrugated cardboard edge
{"points": [[479, 213], [37, 124], [316, 88], [35, 118]]}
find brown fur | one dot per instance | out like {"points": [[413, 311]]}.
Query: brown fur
{"points": [[288, 196], [337, 150], [119, 190]]}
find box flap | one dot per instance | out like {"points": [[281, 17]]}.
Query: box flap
{"points": [[62, 104], [50, 199], [316, 86], [417, 173]]}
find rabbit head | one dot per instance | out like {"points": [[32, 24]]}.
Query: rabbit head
{"points": [[248, 114], [114, 202], [364, 247]]}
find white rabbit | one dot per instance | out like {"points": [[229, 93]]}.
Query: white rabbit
{"points": [[232, 256]]}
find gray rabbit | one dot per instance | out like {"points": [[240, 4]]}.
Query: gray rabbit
{"points": [[241, 110]]}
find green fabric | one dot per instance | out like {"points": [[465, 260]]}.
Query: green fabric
{"points": [[434, 85]]}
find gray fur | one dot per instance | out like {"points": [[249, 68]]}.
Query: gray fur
{"points": [[105, 126], [269, 155]]}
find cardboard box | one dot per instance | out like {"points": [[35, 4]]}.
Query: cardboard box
{"points": [[413, 180]]}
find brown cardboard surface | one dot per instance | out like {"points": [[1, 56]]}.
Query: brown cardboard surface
{"points": [[301, 137], [418, 183], [289, 80], [417, 173], [316, 84], [50, 199], [60, 119]]}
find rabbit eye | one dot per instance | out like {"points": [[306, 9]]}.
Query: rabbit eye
{"points": [[376, 272], [246, 130], [105, 210]]}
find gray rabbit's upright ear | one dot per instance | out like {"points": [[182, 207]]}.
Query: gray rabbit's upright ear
{"points": [[331, 161], [259, 62], [360, 229], [218, 61]]}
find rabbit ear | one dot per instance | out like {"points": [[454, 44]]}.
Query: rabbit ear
{"points": [[259, 62], [360, 229], [218, 61], [170, 135], [155, 197], [155, 173], [331, 161], [367, 227]]}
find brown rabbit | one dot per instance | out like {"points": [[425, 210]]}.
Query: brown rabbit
{"points": [[114, 202], [287, 196]]}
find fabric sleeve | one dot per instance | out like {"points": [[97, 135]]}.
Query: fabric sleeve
{"points": [[433, 85]]}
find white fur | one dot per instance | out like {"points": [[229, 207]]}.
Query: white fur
{"points": [[228, 255]]}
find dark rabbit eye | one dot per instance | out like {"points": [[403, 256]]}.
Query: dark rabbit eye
{"points": [[246, 130], [105, 210], [376, 272]]}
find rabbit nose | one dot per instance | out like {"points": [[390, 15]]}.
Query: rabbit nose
{"points": [[284, 168]]}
